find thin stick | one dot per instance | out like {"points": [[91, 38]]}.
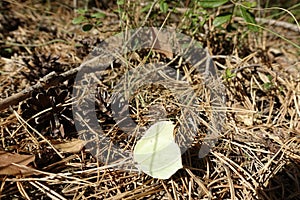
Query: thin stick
{"points": [[47, 81], [272, 22]]}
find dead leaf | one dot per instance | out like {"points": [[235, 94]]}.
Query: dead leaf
{"points": [[263, 77], [7, 161], [73, 146], [244, 115], [160, 43]]}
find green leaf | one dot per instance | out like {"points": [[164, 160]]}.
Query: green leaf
{"points": [[87, 27], [221, 19], [270, 77], [79, 19], [212, 3], [8, 50], [78, 45], [249, 4], [120, 2], [267, 86], [249, 18], [98, 22], [146, 8], [81, 11], [229, 74], [163, 7], [98, 15]]}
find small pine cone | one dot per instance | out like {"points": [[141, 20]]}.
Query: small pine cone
{"points": [[41, 65], [47, 113]]}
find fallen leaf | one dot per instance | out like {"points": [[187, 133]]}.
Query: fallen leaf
{"points": [[244, 115], [160, 43], [73, 146], [7, 161]]}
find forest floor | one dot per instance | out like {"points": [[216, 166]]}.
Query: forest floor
{"points": [[257, 155]]}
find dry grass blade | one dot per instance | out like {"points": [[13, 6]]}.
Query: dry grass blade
{"points": [[50, 193], [24, 122], [199, 182], [234, 167], [22, 191]]}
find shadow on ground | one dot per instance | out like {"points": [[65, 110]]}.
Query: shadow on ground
{"points": [[284, 185]]}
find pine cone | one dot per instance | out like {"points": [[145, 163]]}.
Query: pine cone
{"points": [[47, 113], [40, 65]]}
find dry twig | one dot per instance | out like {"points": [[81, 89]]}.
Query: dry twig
{"points": [[49, 80]]}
